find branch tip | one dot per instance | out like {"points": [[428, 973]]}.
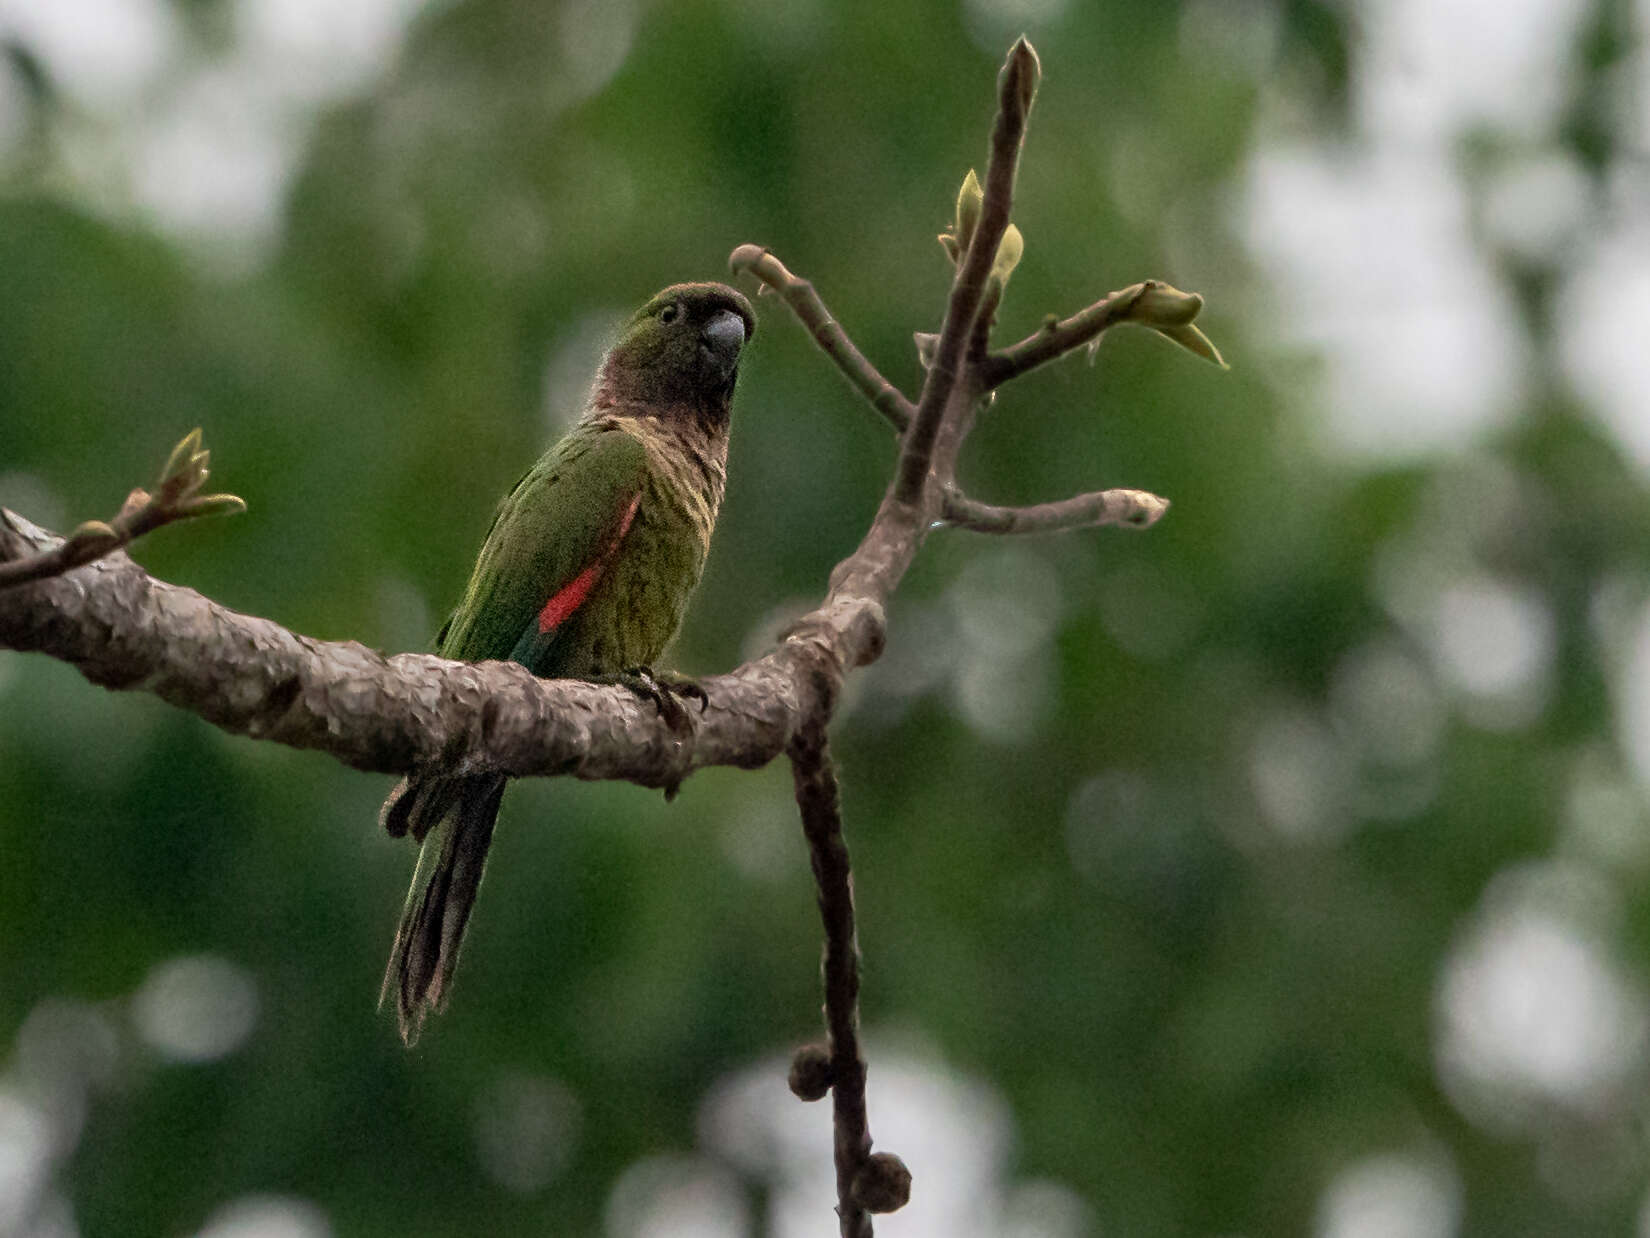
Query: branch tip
{"points": [[977, 267], [804, 302], [1131, 509], [1021, 74], [176, 498]]}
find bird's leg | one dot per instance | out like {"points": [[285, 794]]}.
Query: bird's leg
{"points": [[663, 689]]}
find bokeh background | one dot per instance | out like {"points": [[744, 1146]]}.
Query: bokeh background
{"points": [[1280, 871]]}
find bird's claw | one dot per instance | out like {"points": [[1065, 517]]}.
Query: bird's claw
{"points": [[665, 692]]}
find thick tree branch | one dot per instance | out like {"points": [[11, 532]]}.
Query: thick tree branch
{"points": [[833, 341], [249, 676]]}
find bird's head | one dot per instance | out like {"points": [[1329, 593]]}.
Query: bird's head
{"points": [[681, 351]]}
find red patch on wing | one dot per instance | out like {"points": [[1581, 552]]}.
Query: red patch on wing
{"points": [[571, 596]]}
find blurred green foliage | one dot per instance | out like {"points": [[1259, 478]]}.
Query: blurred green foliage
{"points": [[1133, 848]]}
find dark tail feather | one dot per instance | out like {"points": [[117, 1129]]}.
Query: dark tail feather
{"points": [[454, 817]]}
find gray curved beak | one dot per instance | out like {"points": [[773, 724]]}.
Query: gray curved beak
{"points": [[723, 337]]}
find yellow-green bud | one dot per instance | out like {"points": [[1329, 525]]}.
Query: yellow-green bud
{"points": [[1194, 341], [970, 202], [93, 538], [213, 505], [1009, 252], [1160, 305], [181, 455]]}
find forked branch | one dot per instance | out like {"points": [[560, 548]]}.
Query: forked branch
{"points": [[1016, 88], [78, 600], [962, 372], [177, 497]]}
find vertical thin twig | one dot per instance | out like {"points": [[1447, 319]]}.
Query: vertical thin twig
{"points": [[818, 797], [1016, 87]]}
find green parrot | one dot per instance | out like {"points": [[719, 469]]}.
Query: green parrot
{"points": [[585, 573]]}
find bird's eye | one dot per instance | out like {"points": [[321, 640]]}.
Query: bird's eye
{"points": [[670, 312]]}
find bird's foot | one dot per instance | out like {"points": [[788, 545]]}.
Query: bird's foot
{"points": [[665, 691]]}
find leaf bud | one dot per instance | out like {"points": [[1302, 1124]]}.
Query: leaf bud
{"points": [[1009, 252], [970, 202], [1160, 305], [181, 456], [213, 505], [93, 538], [1194, 341]]}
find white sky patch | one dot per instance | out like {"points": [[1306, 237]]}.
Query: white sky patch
{"points": [[1602, 314], [26, 1140], [323, 48], [992, 21], [1300, 776], [212, 161], [1531, 1009], [1006, 607], [1385, 705], [1490, 640], [1372, 265], [202, 145], [1007, 603], [1004, 700], [65, 1050], [1638, 96], [677, 1197], [1538, 205], [267, 1216], [196, 1008], [747, 837], [595, 38], [1494, 642], [104, 53], [1430, 69], [1369, 252], [1391, 1197], [952, 1132]]}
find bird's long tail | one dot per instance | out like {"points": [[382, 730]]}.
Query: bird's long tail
{"points": [[453, 816]]}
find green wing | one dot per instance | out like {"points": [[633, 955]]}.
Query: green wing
{"points": [[559, 522]]}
